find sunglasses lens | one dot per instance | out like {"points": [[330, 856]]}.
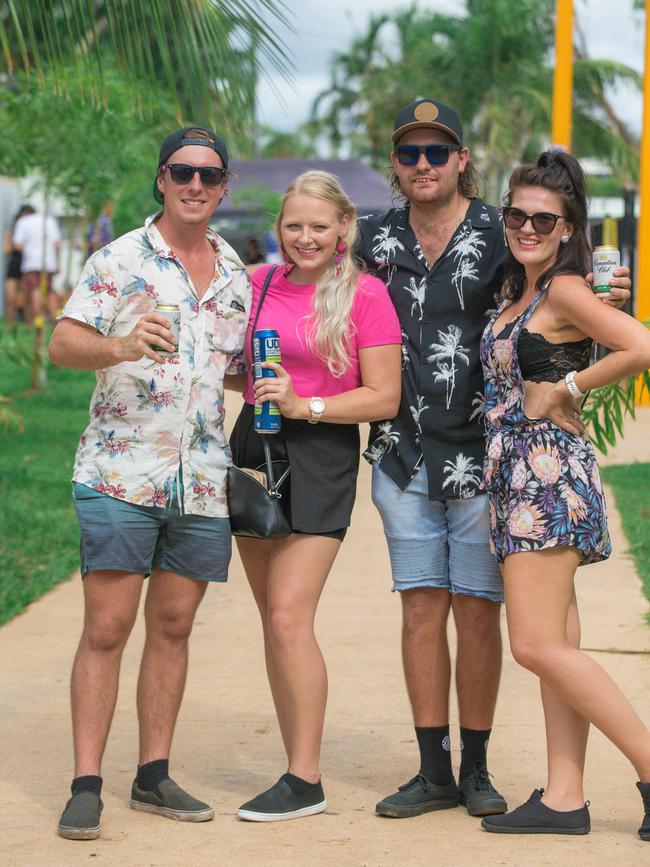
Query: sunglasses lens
{"points": [[181, 174], [513, 218], [211, 176], [437, 155], [407, 155], [544, 223]]}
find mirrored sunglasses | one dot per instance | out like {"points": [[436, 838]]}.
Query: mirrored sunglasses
{"points": [[436, 154]]}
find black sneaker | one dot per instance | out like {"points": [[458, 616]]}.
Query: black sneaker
{"points": [[479, 795], [534, 817], [168, 799], [644, 830], [418, 796], [80, 819], [279, 802]]}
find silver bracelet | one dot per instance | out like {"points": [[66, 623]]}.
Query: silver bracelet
{"points": [[574, 391]]}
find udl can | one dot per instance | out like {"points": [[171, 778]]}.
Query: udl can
{"points": [[606, 260], [173, 313], [266, 347]]}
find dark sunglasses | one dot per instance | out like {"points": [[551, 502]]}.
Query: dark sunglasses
{"points": [[436, 154], [543, 223], [211, 176]]}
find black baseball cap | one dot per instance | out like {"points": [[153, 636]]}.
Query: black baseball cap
{"points": [[428, 114], [179, 139]]}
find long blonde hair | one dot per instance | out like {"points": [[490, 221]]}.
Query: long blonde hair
{"points": [[328, 329]]}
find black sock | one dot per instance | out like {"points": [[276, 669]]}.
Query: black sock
{"points": [[473, 749], [435, 754], [151, 774], [87, 784], [297, 785]]}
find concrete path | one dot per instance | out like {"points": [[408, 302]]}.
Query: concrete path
{"points": [[227, 746]]}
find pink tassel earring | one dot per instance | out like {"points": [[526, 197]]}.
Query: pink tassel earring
{"points": [[341, 249]]}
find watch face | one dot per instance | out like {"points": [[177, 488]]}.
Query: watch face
{"points": [[317, 405]]}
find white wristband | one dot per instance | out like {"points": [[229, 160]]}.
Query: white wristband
{"points": [[574, 391]]}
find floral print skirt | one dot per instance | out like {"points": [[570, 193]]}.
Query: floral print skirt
{"points": [[544, 490]]}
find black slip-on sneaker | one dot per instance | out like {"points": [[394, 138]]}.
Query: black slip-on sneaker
{"points": [[169, 800], [534, 817], [418, 796], [80, 819], [279, 803], [479, 795]]}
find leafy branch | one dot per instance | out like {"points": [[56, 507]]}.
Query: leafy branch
{"points": [[606, 408]]}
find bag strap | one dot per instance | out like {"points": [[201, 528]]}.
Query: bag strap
{"points": [[267, 449]]}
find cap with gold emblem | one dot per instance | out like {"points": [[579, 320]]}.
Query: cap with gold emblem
{"points": [[430, 114]]}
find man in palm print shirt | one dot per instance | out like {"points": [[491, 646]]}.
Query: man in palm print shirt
{"points": [[441, 255], [150, 470]]}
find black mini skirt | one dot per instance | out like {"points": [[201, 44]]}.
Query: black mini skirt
{"points": [[324, 460]]}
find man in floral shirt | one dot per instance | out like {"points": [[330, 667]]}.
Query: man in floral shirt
{"points": [[150, 471], [441, 255]]}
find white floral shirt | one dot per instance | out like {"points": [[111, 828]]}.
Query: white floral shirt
{"points": [[147, 419]]}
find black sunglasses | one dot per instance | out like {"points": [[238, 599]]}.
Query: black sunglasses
{"points": [[436, 154], [182, 173], [543, 223]]}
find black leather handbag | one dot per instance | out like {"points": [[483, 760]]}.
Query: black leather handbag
{"points": [[258, 496]]}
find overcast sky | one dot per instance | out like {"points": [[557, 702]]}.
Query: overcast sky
{"points": [[613, 31]]}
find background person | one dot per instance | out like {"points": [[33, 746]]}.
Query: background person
{"points": [[149, 479], [340, 340], [14, 295], [39, 239], [547, 508]]}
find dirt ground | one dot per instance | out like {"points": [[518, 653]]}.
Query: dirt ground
{"points": [[227, 746]]}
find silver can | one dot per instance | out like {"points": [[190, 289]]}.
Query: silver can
{"points": [[606, 260], [173, 313]]}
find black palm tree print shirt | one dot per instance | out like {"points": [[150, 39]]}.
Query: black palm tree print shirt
{"points": [[443, 311]]}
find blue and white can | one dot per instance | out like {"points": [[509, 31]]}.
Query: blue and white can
{"points": [[266, 347]]}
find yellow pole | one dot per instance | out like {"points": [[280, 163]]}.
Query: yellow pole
{"points": [[643, 233], [563, 75]]}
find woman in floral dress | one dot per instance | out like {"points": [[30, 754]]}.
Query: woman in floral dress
{"points": [[546, 498]]}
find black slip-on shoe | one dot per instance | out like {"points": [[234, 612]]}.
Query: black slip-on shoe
{"points": [[80, 819], [644, 830], [534, 817], [479, 795], [169, 800], [279, 803], [418, 796]]}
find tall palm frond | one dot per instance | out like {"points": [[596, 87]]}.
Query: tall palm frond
{"points": [[207, 53]]}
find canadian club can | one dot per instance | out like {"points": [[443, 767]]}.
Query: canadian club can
{"points": [[266, 347], [606, 260], [173, 313]]}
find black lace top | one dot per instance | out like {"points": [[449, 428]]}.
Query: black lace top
{"points": [[543, 361]]}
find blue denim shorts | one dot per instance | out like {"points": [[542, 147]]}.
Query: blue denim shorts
{"points": [[126, 537], [436, 543]]}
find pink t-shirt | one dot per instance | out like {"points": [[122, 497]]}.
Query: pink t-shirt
{"points": [[287, 307]]}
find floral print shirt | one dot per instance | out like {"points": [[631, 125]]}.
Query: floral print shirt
{"points": [[443, 311], [147, 420]]}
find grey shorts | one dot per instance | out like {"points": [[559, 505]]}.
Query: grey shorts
{"points": [[126, 537], [436, 543]]}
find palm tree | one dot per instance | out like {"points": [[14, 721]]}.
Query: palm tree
{"points": [[206, 53], [463, 474], [494, 63], [445, 354]]}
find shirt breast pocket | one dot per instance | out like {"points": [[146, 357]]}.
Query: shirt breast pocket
{"points": [[228, 327]]}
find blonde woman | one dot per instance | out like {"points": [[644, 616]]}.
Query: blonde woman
{"points": [[340, 341]]}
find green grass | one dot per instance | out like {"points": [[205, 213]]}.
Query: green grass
{"points": [[631, 486], [39, 536]]}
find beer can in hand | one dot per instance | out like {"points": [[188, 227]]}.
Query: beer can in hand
{"points": [[173, 313], [606, 260], [266, 347]]}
